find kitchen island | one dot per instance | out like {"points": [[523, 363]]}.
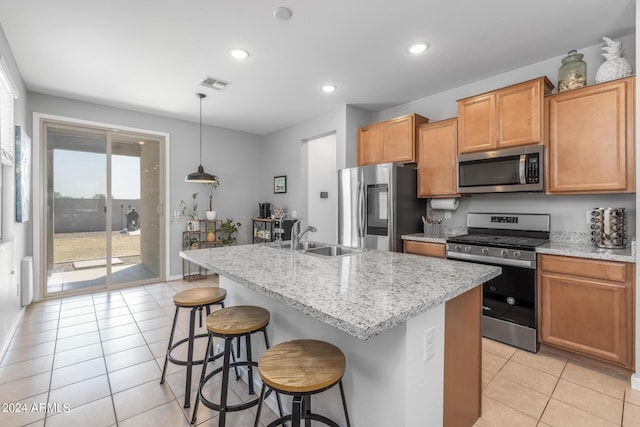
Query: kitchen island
{"points": [[393, 315]]}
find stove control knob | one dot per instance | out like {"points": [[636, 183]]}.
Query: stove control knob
{"points": [[504, 252], [467, 249], [485, 251], [456, 248], [516, 254]]}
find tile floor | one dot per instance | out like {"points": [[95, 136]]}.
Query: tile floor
{"points": [[96, 360], [100, 356], [526, 389]]}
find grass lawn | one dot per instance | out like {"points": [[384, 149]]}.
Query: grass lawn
{"points": [[71, 247]]}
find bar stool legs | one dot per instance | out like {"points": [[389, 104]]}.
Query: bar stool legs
{"points": [[229, 324], [196, 300]]}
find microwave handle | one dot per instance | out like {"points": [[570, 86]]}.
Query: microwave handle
{"points": [[522, 169]]}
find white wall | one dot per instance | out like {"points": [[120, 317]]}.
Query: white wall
{"points": [[322, 177], [233, 156], [17, 237]]}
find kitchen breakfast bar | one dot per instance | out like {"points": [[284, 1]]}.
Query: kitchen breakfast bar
{"points": [[409, 326]]}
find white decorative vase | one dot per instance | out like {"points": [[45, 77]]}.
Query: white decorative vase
{"points": [[210, 215], [615, 67]]}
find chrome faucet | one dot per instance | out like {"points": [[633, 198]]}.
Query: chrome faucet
{"points": [[297, 235]]}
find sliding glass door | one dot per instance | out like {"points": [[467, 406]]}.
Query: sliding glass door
{"points": [[104, 225]]}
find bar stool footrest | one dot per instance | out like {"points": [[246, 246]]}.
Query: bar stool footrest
{"points": [[177, 344], [309, 416], [230, 408]]}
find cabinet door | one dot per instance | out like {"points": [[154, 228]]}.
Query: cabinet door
{"points": [[437, 159], [436, 250], [476, 123], [399, 139], [592, 139], [587, 316], [370, 144], [519, 114]]}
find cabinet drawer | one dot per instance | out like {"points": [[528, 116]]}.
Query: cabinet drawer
{"points": [[424, 248], [597, 269]]}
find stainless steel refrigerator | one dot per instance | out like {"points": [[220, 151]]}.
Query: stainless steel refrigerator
{"points": [[377, 204]]}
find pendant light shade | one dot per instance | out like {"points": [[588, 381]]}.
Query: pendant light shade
{"points": [[200, 176]]}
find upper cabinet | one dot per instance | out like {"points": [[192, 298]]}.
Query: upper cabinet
{"points": [[437, 152], [503, 118], [591, 139], [393, 140]]}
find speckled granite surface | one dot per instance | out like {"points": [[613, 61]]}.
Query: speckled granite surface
{"points": [[588, 250], [436, 238], [562, 243], [363, 294]]}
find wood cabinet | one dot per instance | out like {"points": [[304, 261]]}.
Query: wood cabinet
{"points": [[437, 159], [424, 248], [503, 118], [393, 140], [591, 141], [586, 307]]}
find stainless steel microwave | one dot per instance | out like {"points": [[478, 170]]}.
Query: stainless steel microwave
{"points": [[502, 171]]}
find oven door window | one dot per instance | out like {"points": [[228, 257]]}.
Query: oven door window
{"points": [[377, 209], [502, 171], [511, 296]]}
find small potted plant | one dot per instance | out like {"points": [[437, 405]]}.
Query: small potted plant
{"points": [[229, 231], [211, 233], [211, 214], [190, 211]]}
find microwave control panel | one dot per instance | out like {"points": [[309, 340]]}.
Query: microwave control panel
{"points": [[532, 166]]}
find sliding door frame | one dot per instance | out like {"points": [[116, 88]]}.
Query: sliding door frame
{"points": [[40, 192]]}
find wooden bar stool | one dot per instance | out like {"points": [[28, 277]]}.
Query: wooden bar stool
{"points": [[302, 368], [194, 299], [227, 324]]}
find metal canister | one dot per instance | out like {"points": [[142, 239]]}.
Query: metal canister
{"points": [[609, 228]]}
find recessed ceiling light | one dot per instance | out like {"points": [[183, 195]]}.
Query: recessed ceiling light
{"points": [[239, 53], [417, 47], [282, 13], [329, 88]]}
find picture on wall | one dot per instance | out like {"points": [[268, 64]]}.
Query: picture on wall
{"points": [[280, 184], [23, 175]]}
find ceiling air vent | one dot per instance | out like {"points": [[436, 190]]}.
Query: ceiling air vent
{"points": [[214, 83]]}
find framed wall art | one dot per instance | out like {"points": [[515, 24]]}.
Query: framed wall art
{"points": [[23, 175], [280, 184]]}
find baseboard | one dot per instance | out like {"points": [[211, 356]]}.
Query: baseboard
{"points": [[635, 382], [174, 277], [12, 331]]}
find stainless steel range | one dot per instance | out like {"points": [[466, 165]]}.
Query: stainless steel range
{"points": [[510, 301]]}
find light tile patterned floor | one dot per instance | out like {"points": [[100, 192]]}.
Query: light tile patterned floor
{"points": [[101, 356], [525, 389]]}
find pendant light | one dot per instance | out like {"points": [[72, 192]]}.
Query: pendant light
{"points": [[201, 177]]}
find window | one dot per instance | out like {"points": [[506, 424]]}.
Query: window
{"points": [[8, 93]]}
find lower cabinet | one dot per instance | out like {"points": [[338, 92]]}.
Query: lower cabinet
{"points": [[586, 307], [424, 248]]}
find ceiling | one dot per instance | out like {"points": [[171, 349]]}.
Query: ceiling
{"points": [[151, 56]]}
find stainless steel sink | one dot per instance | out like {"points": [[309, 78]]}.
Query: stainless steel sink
{"points": [[319, 248], [333, 250]]}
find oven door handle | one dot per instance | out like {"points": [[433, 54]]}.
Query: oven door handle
{"points": [[493, 260]]}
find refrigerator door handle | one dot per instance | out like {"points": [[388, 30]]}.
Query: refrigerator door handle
{"points": [[361, 209]]}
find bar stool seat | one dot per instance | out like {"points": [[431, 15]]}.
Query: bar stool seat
{"points": [[302, 368], [195, 299], [230, 323]]}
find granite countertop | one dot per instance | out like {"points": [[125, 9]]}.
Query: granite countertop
{"points": [[588, 250], [363, 294], [567, 244], [433, 238]]}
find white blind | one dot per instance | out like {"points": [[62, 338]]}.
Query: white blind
{"points": [[7, 130]]}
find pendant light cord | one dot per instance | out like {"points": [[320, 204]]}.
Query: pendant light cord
{"points": [[201, 96]]}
